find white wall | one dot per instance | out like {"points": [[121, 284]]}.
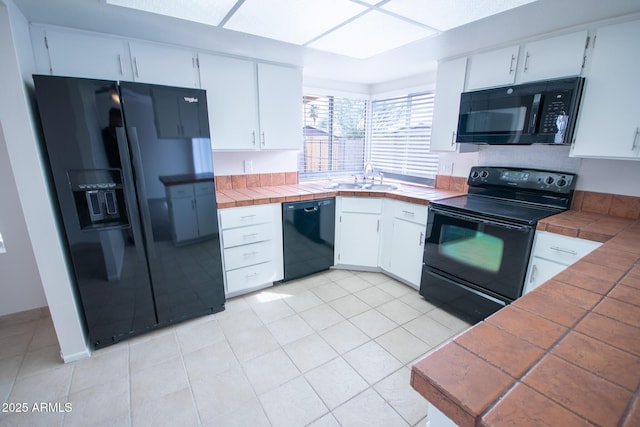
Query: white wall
{"points": [[232, 163], [20, 141], [20, 287]]}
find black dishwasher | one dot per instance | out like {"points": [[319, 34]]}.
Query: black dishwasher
{"points": [[308, 235]]}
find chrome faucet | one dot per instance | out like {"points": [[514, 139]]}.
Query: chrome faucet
{"points": [[368, 172]]}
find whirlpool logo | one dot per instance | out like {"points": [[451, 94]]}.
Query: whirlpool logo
{"points": [[190, 99]]}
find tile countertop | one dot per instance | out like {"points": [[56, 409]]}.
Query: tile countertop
{"points": [[316, 190], [567, 353]]}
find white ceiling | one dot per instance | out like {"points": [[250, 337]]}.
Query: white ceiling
{"points": [[412, 59], [355, 28]]}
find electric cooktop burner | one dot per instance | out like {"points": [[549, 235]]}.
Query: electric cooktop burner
{"points": [[512, 194], [499, 209]]}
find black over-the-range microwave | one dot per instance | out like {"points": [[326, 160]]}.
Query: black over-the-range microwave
{"points": [[541, 112]]}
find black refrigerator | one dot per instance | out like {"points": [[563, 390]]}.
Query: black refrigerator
{"points": [[131, 172]]}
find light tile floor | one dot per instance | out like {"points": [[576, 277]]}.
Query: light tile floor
{"points": [[332, 349]]}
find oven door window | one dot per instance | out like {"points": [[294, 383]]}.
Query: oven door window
{"points": [[471, 247], [487, 255]]}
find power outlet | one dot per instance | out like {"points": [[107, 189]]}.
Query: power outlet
{"points": [[446, 168], [248, 166]]}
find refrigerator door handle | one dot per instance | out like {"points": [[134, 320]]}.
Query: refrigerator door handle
{"points": [[142, 192], [128, 191]]}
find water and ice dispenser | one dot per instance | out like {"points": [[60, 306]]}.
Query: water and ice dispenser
{"points": [[99, 198]]}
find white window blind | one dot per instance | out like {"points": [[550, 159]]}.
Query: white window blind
{"points": [[401, 136], [334, 136]]}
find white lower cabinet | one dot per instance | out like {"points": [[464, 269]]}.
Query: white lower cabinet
{"points": [[251, 247], [551, 254], [403, 240], [358, 230]]}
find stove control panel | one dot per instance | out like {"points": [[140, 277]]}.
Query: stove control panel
{"points": [[525, 179]]}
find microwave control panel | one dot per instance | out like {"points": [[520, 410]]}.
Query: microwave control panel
{"points": [[555, 112]]}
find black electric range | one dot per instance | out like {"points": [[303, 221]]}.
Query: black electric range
{"points": [[477, 246]]}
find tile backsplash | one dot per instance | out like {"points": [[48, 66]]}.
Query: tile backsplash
{"points": [[234, 182], [605, 203]]}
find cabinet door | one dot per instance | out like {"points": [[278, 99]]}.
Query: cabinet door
{"points": [[77, 54], [449, 86], [232, 101], [280, 101], [184, 219], [494, 68], [359, 237], [540, 270], [609, 122], [555, 57], [407, 246], [163, 65]]}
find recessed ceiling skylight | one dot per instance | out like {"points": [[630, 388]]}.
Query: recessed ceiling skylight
{"points": [[202, 11], [370, 34], [356, 28], [446, 14], [293, 21]]}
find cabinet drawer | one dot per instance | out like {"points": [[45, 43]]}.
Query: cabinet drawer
{"points": [[242, 256], [361, 205], [251, 277], [246, 235], [203, 188], [179, 191], [411, 212], [249, 215], [562, 249]]}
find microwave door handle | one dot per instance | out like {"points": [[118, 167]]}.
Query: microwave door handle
{"points": [[535, 109]]}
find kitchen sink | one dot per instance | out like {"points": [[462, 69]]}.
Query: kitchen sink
{"points": [[380, 187], [344, 186], [360, 186]]}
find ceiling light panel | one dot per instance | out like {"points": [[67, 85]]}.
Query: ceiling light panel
{"points": [[293, 21], [370, 34], [202, 11], [446, 14]]}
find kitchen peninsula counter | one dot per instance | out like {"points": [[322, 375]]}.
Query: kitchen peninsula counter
{"points": [[567, 353], [228, 198]]}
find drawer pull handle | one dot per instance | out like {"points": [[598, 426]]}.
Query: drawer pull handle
{"points": [[566, 251], [247, 216], [534, 273], [248, 236], [409, 213], [249, 276], [421, 240], [249, 254]]}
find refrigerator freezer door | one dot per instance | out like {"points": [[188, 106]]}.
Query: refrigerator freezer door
{"points": [[80, 120]]}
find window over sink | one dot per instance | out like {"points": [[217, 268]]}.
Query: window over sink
{"points": [[342, 134]]}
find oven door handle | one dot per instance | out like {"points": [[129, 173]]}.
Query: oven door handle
{"points": [[472, 218]]}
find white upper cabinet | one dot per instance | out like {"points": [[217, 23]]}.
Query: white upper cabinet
{"points": [[609, 121], [78, 54], [163, 65], [550, 58], [280, 100], [232, 101], [493, 68], [252, 106], [449, 86], [555, 57]]}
